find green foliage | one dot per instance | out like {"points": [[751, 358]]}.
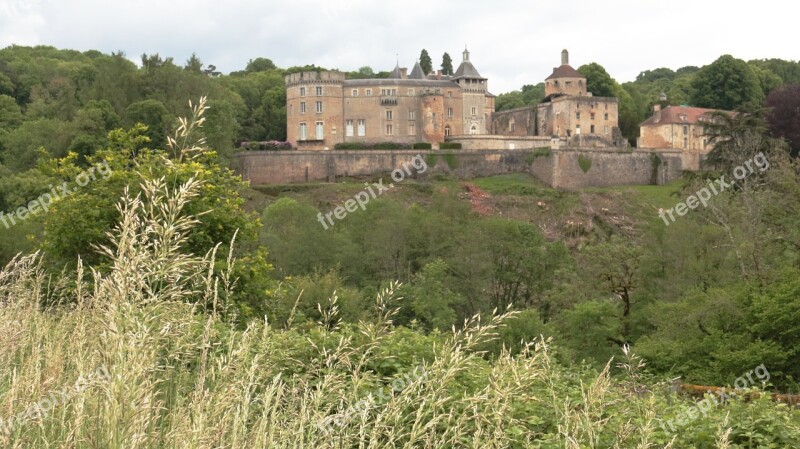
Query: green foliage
{"points": [[154, 115], [450, 146], [371, 146], [585, 163], [422, 146], [451, 159], [538, 152], [529, 95], [425, 61], [598, 81], [727, 84], [447, 64], [431, 159]]}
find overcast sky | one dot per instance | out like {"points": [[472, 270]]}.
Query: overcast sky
{"points": [[513, 42]]}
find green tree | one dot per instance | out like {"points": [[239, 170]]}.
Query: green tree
{"points": [[10, 113], [430, 299], [447, 64], [154, 115], [260, 65], [598, 81], [194, 64], [727, 84], [425, 61]]}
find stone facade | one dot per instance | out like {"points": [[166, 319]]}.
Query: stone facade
{"points": [[681, 128], [566, 168], [323, 108], [566, 112]]}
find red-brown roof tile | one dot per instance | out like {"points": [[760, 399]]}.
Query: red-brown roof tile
{"points": [[682, 115], [565, 71]]}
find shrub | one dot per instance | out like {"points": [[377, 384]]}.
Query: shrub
{"points": [[270, 145], [371, 146], [585, 163], [449, 146], [422, 146], [451, 160]]}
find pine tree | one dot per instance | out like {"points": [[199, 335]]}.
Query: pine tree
{"points": [[425, 61], [447, 64]]}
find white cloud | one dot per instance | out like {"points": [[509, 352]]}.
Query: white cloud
{"points": [[513, 43]]}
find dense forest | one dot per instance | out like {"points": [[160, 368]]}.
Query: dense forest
{"points": [[494, 312]]}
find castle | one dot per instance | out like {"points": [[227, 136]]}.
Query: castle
{"points": [[324, 109]]}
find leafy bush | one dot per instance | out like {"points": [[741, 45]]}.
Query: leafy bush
{"points": [[422, 146], [271, 145], [585, 163], [449, 146]]}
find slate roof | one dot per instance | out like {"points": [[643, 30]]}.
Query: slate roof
{"points": [[417, 73], [467, 70]]}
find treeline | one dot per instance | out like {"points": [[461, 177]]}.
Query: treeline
{"points": [[727, 83], [67, 101]]}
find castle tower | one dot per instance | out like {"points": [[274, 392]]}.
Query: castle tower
{"points": [[565, 80], [315, 109], [474, 89]]}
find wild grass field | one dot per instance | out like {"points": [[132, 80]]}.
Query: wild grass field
{"points": [[182, 376]]}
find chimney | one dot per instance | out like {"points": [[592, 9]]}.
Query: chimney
{"points": [[656, 113], [404, 73], [564, 57]]}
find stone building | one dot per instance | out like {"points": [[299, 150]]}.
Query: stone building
{"points": [[568, 111], [323, 108], [678, 127]]}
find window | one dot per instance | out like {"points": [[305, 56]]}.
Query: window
{"points": [[686, 129], [320, 130], [319, 90], [605, 116], [568, 83], [389, 129], [412, 115], [362, 127], [578, 130], [302, 91], [348, 128], [686, 142], [578, 115], [389, 114], [447, 130], [605, 130], [354, 92], [412, 129], [302, 107], [303, 131], [389, 92], [591, 115], [474, 110], [450, 112], [473, 129], [591, 129], [449, 94], [369, 92], [319, 107]]}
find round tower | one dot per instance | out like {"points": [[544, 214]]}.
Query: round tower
{"points": [[565, 80], [315, 109]]}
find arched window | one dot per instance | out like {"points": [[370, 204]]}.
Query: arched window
{"points": [[447, 130], [473, 129]]}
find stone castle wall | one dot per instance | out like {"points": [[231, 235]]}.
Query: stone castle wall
{"points": [[562, 168]]}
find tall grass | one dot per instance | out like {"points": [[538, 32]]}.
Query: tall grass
{"points": [[181, 376]]}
